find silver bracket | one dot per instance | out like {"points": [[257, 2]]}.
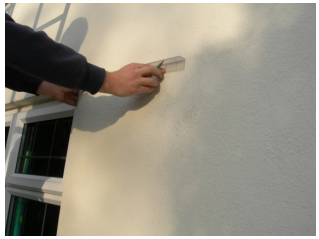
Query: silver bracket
{"points": [[176, 63]]}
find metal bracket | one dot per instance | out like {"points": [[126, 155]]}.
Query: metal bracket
{"points": [[173, 64]]}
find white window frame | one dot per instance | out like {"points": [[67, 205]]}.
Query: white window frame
{"points": [[39, 188]]}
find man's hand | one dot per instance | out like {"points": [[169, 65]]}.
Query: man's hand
{"points": [[132, 79], [59, 93]]}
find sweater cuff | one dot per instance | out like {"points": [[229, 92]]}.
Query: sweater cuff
{"points": [[32, 85], [94, 79]]}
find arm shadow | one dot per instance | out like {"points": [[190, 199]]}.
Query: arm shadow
{"points": [[110, 108]]}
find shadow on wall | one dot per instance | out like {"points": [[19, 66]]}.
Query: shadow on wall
{"points": [[10, 8], [110, 108], [239, 182], [60, 18], [75, 34], [251, 145]]}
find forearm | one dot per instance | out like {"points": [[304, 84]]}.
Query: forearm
{"points": [[59, 93], [34, 53], [47, 88]]}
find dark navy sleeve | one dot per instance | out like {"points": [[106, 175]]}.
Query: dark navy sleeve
{"points": [[36, 55], [17, 81]]}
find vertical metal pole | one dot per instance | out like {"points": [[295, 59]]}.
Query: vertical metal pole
{"points": [[43, 220], [47, 172]]}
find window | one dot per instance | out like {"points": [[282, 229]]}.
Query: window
{"points": [[36, 151], [32, 218], [7, 132], [43, 148]]}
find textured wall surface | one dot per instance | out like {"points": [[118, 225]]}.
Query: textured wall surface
{"points": [[225, 147]]}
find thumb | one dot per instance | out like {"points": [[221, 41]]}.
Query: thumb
{"points": [[162, 70]]}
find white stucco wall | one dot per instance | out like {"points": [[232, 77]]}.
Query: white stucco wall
{"points": [[225, 147]]}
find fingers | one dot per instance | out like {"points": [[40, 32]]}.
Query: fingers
{"points": [[146, 89], [132, 79], [71, 98], [162, 70], [69, 91], [149, 70], [75, 93], [148, 81]]}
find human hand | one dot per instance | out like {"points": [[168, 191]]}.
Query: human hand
{"points": [[59, 93], [67, 96], [132, 79]]}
